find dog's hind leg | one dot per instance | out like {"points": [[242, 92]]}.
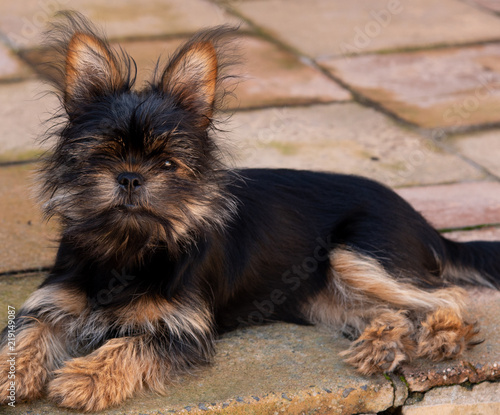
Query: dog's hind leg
{"points": [[395, 319]]}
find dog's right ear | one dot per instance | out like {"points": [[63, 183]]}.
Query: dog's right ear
{"points": [[91, 70], [81, 64]]}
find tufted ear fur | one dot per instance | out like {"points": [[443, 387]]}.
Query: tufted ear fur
{"points": [[193, 74], [81, 64], [91, 69], [191, 78]]}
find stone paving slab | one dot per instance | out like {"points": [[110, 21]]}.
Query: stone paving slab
{"points": [[23, 21], [24, 107], [267, 75], [26, 241], [456, 205], [284, 368], [452, 88], [482, 399], [11, 67], [321, 28], [271, 76], [482, 147], [344, 138]]}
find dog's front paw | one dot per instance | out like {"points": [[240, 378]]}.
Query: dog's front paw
{"points": [[76, 390], [95, 382], [24, 370], [19, 382]]}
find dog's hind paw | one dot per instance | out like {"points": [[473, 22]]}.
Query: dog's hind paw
{"points": [[383, 345], [444, 335]]}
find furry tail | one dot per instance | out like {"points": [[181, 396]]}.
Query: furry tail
{"points": [[476, 263]]}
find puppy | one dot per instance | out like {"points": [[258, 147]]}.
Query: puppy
{"points": [[162, 247]]}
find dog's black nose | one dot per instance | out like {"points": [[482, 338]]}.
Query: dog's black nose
{"points": [[130, 181]]}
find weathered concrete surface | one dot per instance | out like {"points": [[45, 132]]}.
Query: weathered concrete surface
{"points": [[14, 290], [343, 138], [450, 88], [284, 368], [456, 205], [483, 399], [280, 368], [476, 365], [26, 240], [322, 28]]}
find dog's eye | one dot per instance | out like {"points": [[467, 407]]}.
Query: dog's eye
{"points": [[169, 164]]}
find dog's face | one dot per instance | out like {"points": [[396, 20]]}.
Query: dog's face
{"points": [[135, 169]]}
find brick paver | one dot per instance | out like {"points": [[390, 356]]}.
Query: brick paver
{"points": [[23, 109], [457, 205], [482, 147], [492, 5], [487, 233], [321, 28], [26, 241], [451, 87], [11, 67], [14, 291], [267, 75], [483, 399], [23, 21]]}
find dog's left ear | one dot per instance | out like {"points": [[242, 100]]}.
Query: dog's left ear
{"points": [[191, 79]]}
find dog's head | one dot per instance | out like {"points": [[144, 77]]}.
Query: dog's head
{"points": [[134, 169]]}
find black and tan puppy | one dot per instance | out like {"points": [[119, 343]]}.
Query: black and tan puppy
{"points": [[162, 247]]}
